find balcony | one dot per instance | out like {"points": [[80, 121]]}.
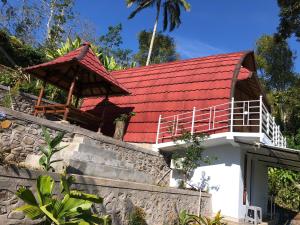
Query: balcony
{"points": [[247, 117]]}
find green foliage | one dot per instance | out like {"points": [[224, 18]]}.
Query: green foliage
{"points": [[275, 62], [67, 47], [61, 11], [125, 116], [283, 185], [171, 10], [52, 147], [108, 62], [137, 217], [110, 46], [72, 208], [185, 218], [164, 48], [21, 18], [13, 52], [289, 18], [191, 158]]}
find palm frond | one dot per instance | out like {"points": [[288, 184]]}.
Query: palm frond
{"points": [[27, 196]]}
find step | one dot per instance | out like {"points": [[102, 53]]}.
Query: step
{"points": [[105, 171], [97, 150], [100, 159]]}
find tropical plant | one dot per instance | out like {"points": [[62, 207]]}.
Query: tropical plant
{"points": [[73, 208], [125, 116], [108, 62], [52, 147], [185, 218], [190, 159], [137, 217], [67, 47], [171, 10], [284, 186]]}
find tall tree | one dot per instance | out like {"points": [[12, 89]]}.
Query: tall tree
{"points": [[275, 62], [22, 19], [110, 45], [164, 48], [60, 12], [289, 18], [171, 18]]}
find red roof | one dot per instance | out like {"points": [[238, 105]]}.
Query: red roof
{"points": [[169, 89], [93, 77]]}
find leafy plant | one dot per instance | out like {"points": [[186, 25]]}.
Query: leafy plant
{"points": [[125, 116], [137, 217], [191, 158], [189, 219], [74, 208], [283, 185], [52, 147]]}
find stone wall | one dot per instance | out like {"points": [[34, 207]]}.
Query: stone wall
{"points": [[25, 136], [160, 204], [22, 102]]}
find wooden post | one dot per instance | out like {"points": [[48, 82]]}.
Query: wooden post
{"points": [[69, 99], [105, 102], [38, 103]]}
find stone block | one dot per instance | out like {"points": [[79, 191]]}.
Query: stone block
{"points": [[16, 215], [28, 140]]}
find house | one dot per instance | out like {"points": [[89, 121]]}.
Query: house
{"points": [[218, 95]]}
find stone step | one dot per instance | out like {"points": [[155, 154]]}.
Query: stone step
{"points": [[97, 151], [100, 159], [105, 171]]}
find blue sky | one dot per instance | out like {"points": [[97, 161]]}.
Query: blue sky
{"points": [[214, 26]]}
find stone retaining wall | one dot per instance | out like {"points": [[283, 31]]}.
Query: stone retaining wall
{"points": [[22, 102], [160, 204], [25, 136]]}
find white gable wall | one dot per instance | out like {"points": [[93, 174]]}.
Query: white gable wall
{"points": [[225, 182]]}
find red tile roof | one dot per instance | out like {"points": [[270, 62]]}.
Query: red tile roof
{"points": [[92, 72], [169, 89]]}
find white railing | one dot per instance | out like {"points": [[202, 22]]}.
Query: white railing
{"points": [[236, 116]]}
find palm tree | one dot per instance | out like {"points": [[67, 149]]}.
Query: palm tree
{"points": [[171, 10]]}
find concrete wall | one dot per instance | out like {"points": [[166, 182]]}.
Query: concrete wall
{"points": [[25, 136], [160, 204], [223, 178]]}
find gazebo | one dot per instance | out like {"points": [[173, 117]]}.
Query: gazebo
{"points": [[81, 74]]}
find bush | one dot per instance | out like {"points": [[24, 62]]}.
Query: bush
{"points": [[137, 217]]}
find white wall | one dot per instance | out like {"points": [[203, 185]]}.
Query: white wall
{"points": [[225, 179], [259, 185]]}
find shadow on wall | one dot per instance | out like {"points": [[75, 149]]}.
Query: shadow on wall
{"points": [[109, 112]]}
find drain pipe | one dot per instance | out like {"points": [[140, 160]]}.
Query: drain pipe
{"points": [[199, 203]]}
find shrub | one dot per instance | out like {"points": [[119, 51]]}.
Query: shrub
{"points": [[137, 217]]}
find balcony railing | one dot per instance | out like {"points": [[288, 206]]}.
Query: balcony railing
{"points": [[235, 116]]}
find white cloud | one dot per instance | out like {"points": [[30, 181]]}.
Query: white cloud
{"points": [[192, 48]]}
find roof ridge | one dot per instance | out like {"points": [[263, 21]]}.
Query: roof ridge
{"points": [[151, 74], [224, 55]]}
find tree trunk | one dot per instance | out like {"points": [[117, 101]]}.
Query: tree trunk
{"points": [[153, 35], [52, 6], [119, 130]]}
